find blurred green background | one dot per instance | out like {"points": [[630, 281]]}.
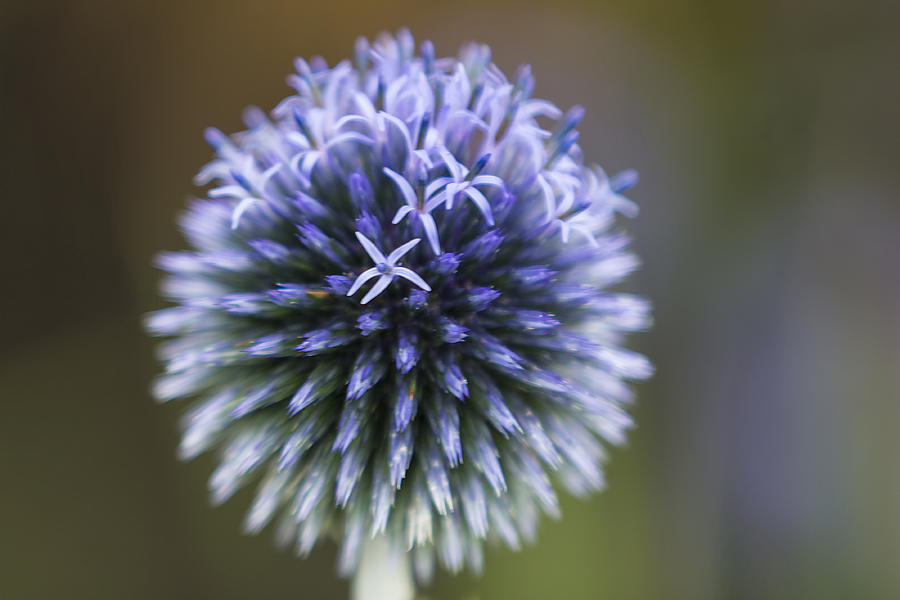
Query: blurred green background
{"points": [[765, 462]]}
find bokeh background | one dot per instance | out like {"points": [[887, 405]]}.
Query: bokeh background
{"points": [[765, 464]]}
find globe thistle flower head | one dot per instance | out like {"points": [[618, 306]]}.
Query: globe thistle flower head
{"points": [[395, 318]]}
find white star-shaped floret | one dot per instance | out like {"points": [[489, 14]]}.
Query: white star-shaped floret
{"points": [[460, 181], [249, 188], [385, 267], [421, 210]]}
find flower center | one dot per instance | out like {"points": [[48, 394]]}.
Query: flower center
{"points": [[383, 268]]}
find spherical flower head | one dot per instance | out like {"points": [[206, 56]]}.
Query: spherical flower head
{"points": [[395, 317]]}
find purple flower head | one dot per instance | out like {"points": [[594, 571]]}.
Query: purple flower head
{"points": [[435, 395]]}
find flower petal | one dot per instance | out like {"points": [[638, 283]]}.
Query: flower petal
{"points": [[373, 252], [488, 180], [435, 185], [363, 277], [411, 275], [401, 212], [431, 232], [405, 188], [379, 287], [549, 197], [240, 209], [457, 170], [227, 191], [350, 136], [397, 254], [435, 201], [351, 120], [482, 203], [404, 130]]}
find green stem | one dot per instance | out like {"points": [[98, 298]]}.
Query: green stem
{"points": [[383, 573]]}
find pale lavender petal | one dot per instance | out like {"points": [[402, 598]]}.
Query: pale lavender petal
{"points": [[435, 185], [404, 130], [482, 203], [373, 252], [431, 232], [365, 106], [379, 287], [405, 188], [240, 209], [400, 252], [457, 171], [488, 180], [534, 108], [435, 201], [564, 231], [363, 277], [549, 197], [412, 276], [351, 120], [227, 191], [267, 175], [401, 212], [624, 180], [422, 155], [350, 136], [304, 162], [450, 193]]}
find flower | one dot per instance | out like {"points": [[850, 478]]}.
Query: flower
{"points": [[386, 267], [463, 181], [421, 210], [447, 405]]}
